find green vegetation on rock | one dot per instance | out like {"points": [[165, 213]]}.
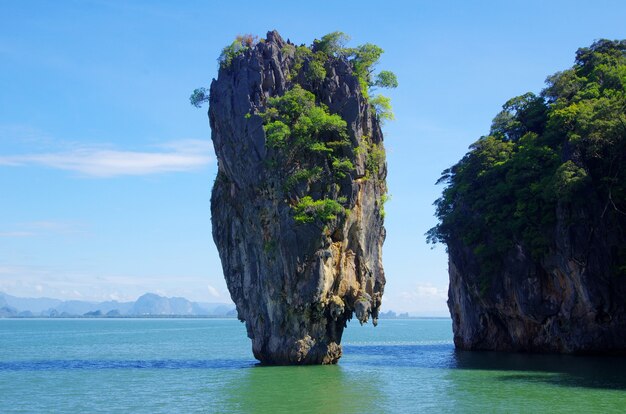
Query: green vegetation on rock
{"points": [[236, 48], [303, 138], [375, 157], [297, 126], [363, 59], [558, 151], [198, 97], [298, 130], [381, 105], [308, 210]]}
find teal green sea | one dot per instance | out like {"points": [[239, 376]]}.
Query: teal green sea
{"points": [[205, 365]]}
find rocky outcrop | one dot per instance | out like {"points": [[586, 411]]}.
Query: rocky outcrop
{"points": [[569, 302], [296, 283], [534, 217]]}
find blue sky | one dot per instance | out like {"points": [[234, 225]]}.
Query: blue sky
{"points": [[106, 170]]}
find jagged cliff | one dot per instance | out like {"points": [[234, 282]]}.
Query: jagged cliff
{"points": [[534, 217], [297, 203]]}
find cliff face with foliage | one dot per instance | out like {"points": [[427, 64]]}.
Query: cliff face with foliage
{"points": [[534, 217], [297, 204]]}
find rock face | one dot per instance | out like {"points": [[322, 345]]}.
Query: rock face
{"points": [[568, 303], [295, 284]]}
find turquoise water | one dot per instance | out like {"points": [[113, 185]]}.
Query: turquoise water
{"points": [[205, 365]]}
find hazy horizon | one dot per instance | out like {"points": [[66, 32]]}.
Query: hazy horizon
{"points": [[434, 313]]}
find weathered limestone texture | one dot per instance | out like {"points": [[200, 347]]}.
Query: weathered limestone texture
{"points": [[569, 302]]}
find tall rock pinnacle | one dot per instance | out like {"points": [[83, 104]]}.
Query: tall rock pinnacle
{"points": [[297, 203]]}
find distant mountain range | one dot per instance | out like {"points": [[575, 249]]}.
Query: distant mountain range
{"points": [[148, 305], [392, 315]]}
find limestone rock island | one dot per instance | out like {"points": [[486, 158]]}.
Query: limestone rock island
{"points": [[534, 217], [297, 205]]}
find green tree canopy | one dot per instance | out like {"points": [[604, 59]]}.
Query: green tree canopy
{"points": [[198, 97], [386, 79], [565, 147], [332, 44]]}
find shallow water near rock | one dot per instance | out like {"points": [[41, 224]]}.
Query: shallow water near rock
{"points": [[206, 365]]}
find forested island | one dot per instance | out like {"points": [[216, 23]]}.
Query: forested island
{"points": [[533, 217]]}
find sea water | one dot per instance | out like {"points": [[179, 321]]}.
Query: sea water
{"points": [[206, 365]]}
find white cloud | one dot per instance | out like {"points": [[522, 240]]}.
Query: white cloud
{"points": [[48, 225], [16, 134], [429, 290], [424, 299], [178, 156], [41, 228], [16, 234], [425, 291], [214, 292], [87, 283]]}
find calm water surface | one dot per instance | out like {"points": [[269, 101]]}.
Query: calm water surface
{"points": [[205, 365]]}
